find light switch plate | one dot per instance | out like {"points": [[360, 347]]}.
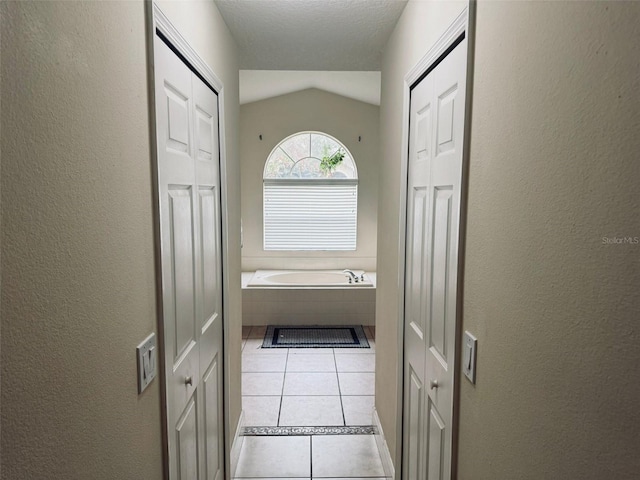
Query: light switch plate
{"points": [[469, 347], [147, 362]]}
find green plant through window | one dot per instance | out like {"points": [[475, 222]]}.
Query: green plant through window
{"points": [[330, 162], [310, 155]]}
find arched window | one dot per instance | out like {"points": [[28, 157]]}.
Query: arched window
{"points": [[310, 187]]}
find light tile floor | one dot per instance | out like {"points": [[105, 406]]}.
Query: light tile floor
{"points": [[307, 388]]}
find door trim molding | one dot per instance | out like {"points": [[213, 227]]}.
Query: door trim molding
{"points": [[236, 446], [383, 449], [157, 20], [463, 24], [457, 28], [162, 23]]}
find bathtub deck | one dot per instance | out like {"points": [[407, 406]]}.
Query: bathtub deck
{"points": [[308, 306]]}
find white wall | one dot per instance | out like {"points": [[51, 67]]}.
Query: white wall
{"points": [[420, 26], [553, 169], [277, 118], [78, 274]]}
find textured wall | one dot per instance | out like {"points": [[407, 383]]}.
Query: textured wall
{"points": [[421, 24], [277, 118], [78, 271], [554, 169], [78, 289], [201, 24]]}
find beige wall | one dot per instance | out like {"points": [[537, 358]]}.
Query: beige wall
{"points": [[202, 26], [77, 236], [554, 169], [277, 118], [78, 271], [419, 27]]}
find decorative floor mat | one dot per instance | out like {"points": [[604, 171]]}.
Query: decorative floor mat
{"points": [[284, 431], [351, 336]]}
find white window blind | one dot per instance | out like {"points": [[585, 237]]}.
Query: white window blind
{"points": [[310, 215]]}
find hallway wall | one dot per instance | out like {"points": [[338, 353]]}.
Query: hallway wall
{"points": [[277, 118], [554, 172], [78, 275], [78, 289]]}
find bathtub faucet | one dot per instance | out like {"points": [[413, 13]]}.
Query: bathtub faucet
{"points": [[352, 276]]}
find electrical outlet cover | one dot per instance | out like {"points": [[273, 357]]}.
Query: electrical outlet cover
{"points": [[469, 347], [147, 361]]}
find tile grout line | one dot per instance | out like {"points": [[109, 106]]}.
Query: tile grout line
{"points": [[335, 362], [310, 456], [284, 377]]}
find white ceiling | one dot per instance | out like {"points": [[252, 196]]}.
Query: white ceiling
{"points": [[341, 35], [291, 45], [260, 84]]}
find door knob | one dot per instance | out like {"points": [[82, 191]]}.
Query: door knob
{"points": [[188, 381], [433, 384]]}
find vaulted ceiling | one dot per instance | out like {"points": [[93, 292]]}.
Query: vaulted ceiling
{"points": [[290, 45], [341, 35]]}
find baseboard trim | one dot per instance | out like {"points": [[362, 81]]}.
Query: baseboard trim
{"points": [[236, 446], [383, 449]]}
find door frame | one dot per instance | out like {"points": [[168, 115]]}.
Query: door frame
{"points": [[156, 20], [464, 24]]}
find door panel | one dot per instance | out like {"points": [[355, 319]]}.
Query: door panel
{"points": [[204, 134], [415, 434], [416, 284], [208, 181], [212, 421], [436, 444], [210, 315], [446, 105], [176, 175], [439, 261], [181, 251], [210, 253], [423, 133], [209, 275], [186, 442], [446, 177], [177, 119], [181, 321], [420, 153], [190, 229], [431, 265]]}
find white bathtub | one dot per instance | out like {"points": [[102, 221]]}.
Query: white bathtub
{"points": [[308, 278], [307, 297]]}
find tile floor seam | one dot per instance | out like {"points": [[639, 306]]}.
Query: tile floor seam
{"points": [[284, 378], [335, 362], [310, 456]]}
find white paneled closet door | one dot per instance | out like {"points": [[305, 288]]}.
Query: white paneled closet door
{"points": [[190, 229], [433, 221]]}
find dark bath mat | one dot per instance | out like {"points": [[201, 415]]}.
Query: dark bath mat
{"points": [[351, 336]]}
